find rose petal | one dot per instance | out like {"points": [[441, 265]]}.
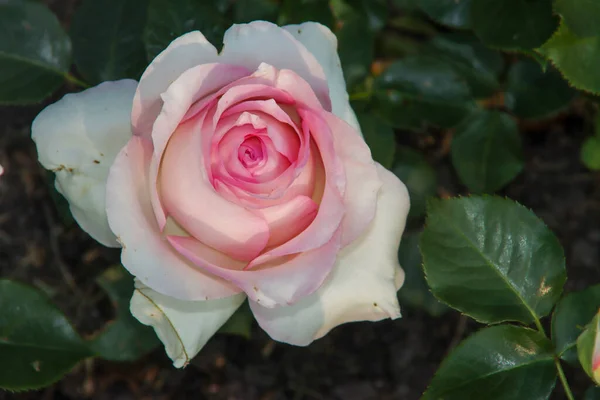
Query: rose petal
{"points": [[322, 43], [184, 327], [362, 285], [146, 254], [78, 138]]}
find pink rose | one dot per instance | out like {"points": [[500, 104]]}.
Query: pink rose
{"points": [[229, 176]]}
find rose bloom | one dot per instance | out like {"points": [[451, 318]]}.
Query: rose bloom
{"points": [[234, 175]]}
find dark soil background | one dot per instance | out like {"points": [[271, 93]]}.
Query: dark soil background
{"points": [[359, 361]]}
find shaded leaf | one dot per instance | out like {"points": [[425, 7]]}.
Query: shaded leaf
{"points": [[452, 13], [356, 44], [125, 338], [107, 39], [240, 323], [487, 151], [299, 11], [581, 16], [380, 138], [375, 12], [419, 177], [590, 153], [37, 342], [498, 363], [533, 94], [593, 393], [252, 10], [35, 52], [492, 259]]}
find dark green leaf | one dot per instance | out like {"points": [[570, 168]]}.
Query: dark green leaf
{"points": [[167, 20], [572, 313], [581, 16], [380, 138], [35, 52], [418, 90], [492, 259], [107, 39], [414, 291], [124, 339], [590, 153], [253, 10], [418, 176], [586, 348], [37, 342], [477, 64], [513, 24], [453, 13], [299, 11], [593, 393], [533, 94], [498, 363], [487, 151], [375, 12], [575, 57], [356, 47], [240, 323], [405, 5]]}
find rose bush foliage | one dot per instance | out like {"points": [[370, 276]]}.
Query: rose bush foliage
{"points": [[232, 175]]}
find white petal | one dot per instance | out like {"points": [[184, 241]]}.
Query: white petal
{"points": [[363, 284], [184, 327], [250, 45], [78, 138], [322, 43]]}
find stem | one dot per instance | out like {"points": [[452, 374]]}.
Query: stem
{"points": [[539, 326], [563, 379], [76, 81]]}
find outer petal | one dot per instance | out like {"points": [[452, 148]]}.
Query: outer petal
{"points": [[146, 253], [362, 285], [78, 138], [184, 327], [322, 43]]}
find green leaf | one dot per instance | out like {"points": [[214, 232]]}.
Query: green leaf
{"points": [[575, 57], [124, 339], [571, 315], [240, 323], [421, 90], [299, 11], [414, 291], [534, 94], [37, 342], [487, 151], [477, 64], [380, 138], [590, 153], [593, 393], [452, 13], [492, 259], [498, 363], [167, 20], [35, 52], [375, 12], [587, 348], [253, 10], [356, 45], [419, 177], [581, 16], [107, 39], [513, 24]]}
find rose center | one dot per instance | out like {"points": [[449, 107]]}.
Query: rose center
{"points": [[250, 152]]}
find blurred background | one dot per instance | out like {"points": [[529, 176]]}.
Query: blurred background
{"points": [[448, 110]]}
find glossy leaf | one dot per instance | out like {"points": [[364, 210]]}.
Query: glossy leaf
{"points": [[513, 24], [35, 52], [356, 45], [570, 317], [492, 259], [420, 90], [533, 94], [479, 65], [37, 342], [380, 138], [593, 393], [581, 16], [125, 338], [375, 12], [588, 345], [498, 363], [415, 292], [419, 177], [252, 10], [299, 11], [240, 323], [168, 20], [107, 39], [487, 151], [575, 57], [452, 13]]}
